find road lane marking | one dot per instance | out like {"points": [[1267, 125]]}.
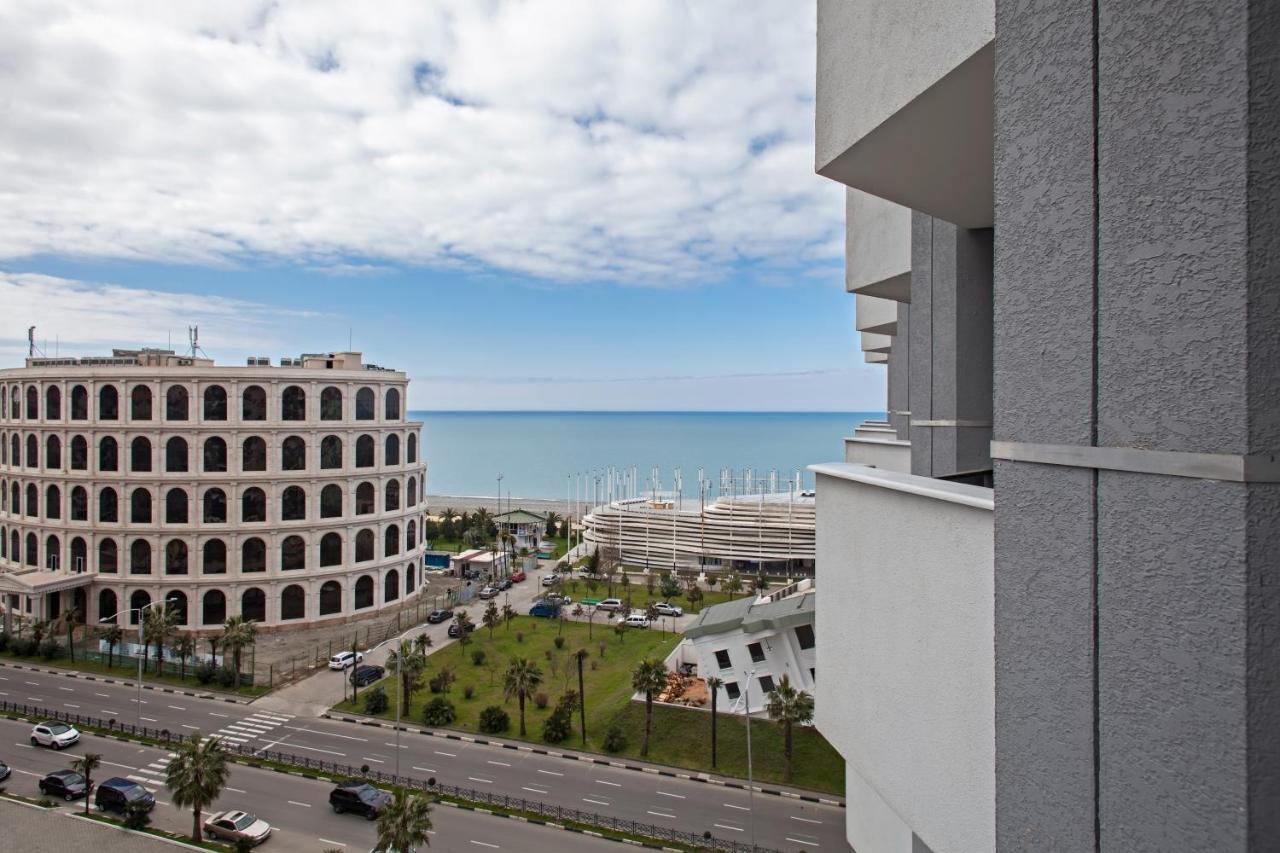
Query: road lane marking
{"points": [[806, 819], [25, 745], [149, 719], [136, 701], [185, 726], [661, 814], [35, 698], [327, 841], [110, 713], [402, 746], [326, 734], [34, 683], [424, 769], [296, 803], [68, 689], [478, 779], [802, 841], [533, 790], [726, 826], [216, 714], [177, 708], [450, 754], [596, 802], [103, 695], [113, 764], [313, 749], [235, 790], [499, 763], [374, 760], [69, 705], [485, 844], [739, 808], [603, 782], [665, 794], [29, 773], [550, 772]]}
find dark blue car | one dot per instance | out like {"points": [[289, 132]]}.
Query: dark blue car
{"points": [[544, 608]]}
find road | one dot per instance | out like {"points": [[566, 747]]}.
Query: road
{"points": [[297, 808]]}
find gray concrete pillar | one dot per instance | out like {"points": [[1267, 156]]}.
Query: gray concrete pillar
{"points": [[899, 375], [1137, 390], [950, 341]]}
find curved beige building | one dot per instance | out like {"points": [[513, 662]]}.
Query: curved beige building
{"points": [[290, 493]]}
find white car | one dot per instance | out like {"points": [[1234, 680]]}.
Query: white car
{"points": [[665, 608], [489, 592], [551, 579], [610, 604], [635, 619], [342, 660], [232, 826], [54, 734]]}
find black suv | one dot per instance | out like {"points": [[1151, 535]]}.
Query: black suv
{"points": [[117, 794], [358, 798], [455, 632], [435, 617], [67, 784], [367, 674]]}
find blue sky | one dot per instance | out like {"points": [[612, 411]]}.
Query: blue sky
{"points": [[621, 214]]}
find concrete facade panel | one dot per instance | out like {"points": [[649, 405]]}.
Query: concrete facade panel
{"points": [[877, 246]]}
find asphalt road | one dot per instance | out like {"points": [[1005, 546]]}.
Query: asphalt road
{"points": [[296, 808]]}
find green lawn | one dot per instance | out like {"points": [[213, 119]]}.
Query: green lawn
{"points": [[129, 670]]}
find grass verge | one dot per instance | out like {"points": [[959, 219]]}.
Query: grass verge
{"points": [[130, 672]]}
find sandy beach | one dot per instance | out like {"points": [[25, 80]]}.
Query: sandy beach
{"points": [[435, 503]]}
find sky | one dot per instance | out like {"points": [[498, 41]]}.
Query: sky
{"points": [[543, 204]]}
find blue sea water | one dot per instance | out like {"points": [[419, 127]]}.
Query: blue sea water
{"points": [[537, 451]]}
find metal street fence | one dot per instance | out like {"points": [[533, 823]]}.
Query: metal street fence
{"points": [[546, 811]]}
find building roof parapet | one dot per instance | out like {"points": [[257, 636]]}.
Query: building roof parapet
{"points": [[925, 487]]}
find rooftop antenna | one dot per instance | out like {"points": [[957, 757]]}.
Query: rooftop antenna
{"points": [[193, 338], [31, 341]]}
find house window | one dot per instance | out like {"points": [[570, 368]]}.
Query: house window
{"points": [[732, 690], [766, 683], [722, 659], [757, 653], [804, 633]]}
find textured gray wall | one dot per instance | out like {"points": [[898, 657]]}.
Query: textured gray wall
{"points": [[899, 374]]}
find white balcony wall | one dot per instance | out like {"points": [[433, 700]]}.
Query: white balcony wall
{"points": [[877, 248], [887, 453]]}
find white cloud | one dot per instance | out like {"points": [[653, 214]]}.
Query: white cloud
{"points": [[644, 142]]}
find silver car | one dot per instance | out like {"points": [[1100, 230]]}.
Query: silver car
{"points": [[234, 825]]}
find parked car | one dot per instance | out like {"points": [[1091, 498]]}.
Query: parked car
{"points": [[489, 592], [117, 793], [233, 826], [551, 579], [557, 598], [543, 607], [635, 620], [611, 604], [455, 631], [504, 584], [367, 674], [54, 734], [435, 617], [4, 771], [358, 797], [67, 784], [666, 608], [342, 660], [518, 577]]}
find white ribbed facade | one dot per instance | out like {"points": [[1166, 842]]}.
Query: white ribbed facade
{"points": [[290, 494]]}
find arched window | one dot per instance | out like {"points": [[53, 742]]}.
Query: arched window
{"points": [[108, 403], [108, 506], [331, 404], [364, 592], [140, 403], [79, 555], [364, 404], [253, 605], [79, 453], [411, 449], [330, 598], [364, 499], [140, 454], [293, 454], [176, 602], [215, 403], [52, 552], [254, 454], [33, 500], [391, 586], [331, 501], [33, 546], [79, 403], [391, 541], [254, 406], [175, 455], [293, 504], [392, 496], [364, 545], [392, 404], [393, 450], [53, 502], [33, 451], [108, 455], [53, 403], [175, 557], [140, 557], [53, 452], [14, 553], [213, 610], [175, 507], [137, 601], [16, 444], [330, 550], [33, 403], [79, 504], [15, 411], [215, 507], [253, 555], [408, 578], [253, 505], [364, 451], [175, 404], [411, 499], [293, 554], [107, 606], [293, 404], [215, 455], [140, 506], [4, 499], [331, 452], [215, 557], [293, 602], [410, 535]]}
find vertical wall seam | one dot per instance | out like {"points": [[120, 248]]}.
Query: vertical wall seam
{"points": [[933, 331], [1093, 439]]}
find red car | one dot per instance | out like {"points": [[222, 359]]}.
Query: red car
{"points": [[518, 576]]}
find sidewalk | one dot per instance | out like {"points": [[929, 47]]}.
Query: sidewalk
{"points": [[55, 831]]}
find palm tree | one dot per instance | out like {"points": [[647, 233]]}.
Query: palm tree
{"points": [[508, 613], [733, 585], [581, 655], [69, 619], [112, 635], [648, 678], [491, 617], [553, 524], [463, 620], [85, 765], [162, 624], [713, 687], [523, 678], [237, 635], [404, 823], [788, 706], [184, 648], [196, 776], [422, 642], [414, 663]]}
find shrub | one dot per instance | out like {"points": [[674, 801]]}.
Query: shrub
{"points": [[439, 712], [557, 726], [23, 646], [225, 677], [205, 672], [376, 701], [541, 699], [494, 720], [615, 740], [477, 657], [559, 641], [136, 816], [519, 636], [468, 692], [50, 649], [4, 642]]}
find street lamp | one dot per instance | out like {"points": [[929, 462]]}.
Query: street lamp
{"points": [[142, 640], [399, 685]]}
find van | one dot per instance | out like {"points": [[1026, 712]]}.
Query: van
{"points": [[117, 794], [544, 608], [635, 619]]}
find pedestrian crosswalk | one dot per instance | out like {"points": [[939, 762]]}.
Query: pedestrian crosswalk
{"points": [[259, 725], [152, 776]]}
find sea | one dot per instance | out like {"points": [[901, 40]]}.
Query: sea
{"points": [[537, 453]]}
